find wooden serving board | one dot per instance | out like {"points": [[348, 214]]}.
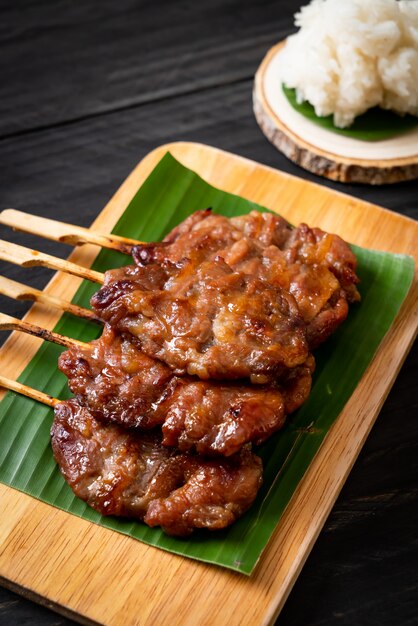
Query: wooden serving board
{"points": [[321, 151], [96, 575]]}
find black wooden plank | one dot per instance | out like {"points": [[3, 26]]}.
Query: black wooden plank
{"points": [[75, 168], [68, 60]]}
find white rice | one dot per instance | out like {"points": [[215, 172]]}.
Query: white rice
{"points": [[351, 55]]}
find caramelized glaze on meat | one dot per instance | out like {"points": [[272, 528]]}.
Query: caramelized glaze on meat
{"points": [[316, 267], [116, 382], [120, 472], [246, 297], [205, 319]]}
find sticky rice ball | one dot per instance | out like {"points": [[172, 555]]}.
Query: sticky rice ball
{"points": [[351, 55]]}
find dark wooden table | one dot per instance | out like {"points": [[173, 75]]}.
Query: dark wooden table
{"points": [[86, 90]]}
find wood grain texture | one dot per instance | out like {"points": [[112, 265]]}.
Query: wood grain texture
{"points": [[68, 61], [306, 153], [77, 564], [74, 169]]}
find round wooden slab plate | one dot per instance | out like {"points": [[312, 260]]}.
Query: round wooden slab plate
{"points": [[321, 151]]}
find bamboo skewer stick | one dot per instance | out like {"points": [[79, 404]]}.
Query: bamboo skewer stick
{"points": [[63, 232], [18, 291], [26, 257], [29, 392], [7, 322]]}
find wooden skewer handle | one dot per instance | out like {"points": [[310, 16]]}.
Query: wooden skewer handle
{"points": [[62, 232], [26, 257], [7, 322], [18, 291], [13, 385]]}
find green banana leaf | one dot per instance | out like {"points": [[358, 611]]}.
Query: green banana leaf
{"points": [[170, 193], [375, 124]]}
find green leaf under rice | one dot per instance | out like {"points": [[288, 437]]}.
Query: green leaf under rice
{"points": [[374, 125]]}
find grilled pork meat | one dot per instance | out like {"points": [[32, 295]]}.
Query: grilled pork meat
{"points": [[121, 472], [118, 383], [204, 319], [316, 267]]}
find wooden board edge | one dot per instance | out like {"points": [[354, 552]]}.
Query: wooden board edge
{"points": [[28, 594], [176, 148], [392, 337]]}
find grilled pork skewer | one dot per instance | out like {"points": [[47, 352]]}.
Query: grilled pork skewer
{"points": [[26, 257], [202, 277], [210, 234], [232, 326], [19, 291], [315, 267], [265, 229], [125, 473], [63, 232], [205, 319], [117, 383]]}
